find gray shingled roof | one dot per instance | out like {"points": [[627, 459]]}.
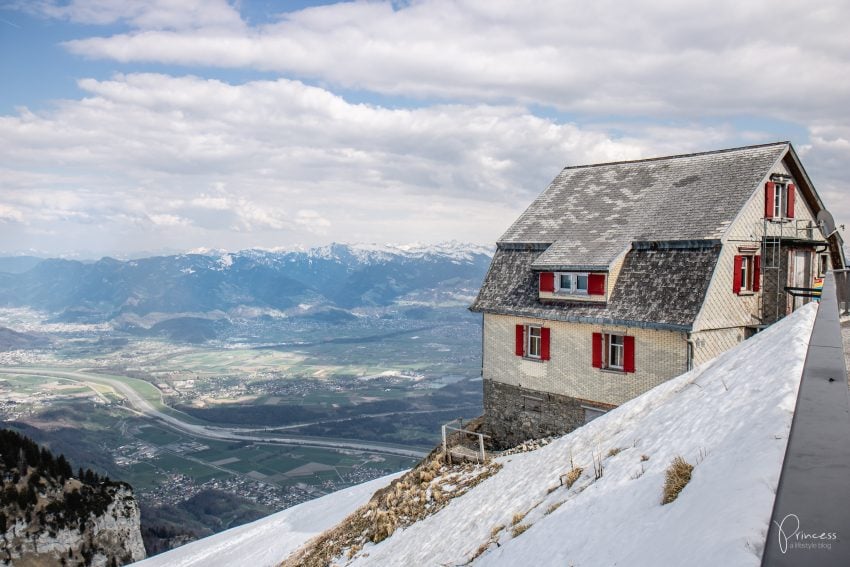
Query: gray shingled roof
{"points": [[591, 214], [656, 288]]}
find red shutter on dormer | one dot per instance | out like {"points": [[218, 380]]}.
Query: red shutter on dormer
{"points": [[547, 281], [736, 274], [628, 354], [769, 189], [597, 350], [544, 343], [520, 340], [789, 212], [756, 273], [596, 284]]}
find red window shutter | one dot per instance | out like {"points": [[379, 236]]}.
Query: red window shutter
{"points": [[768, 199], [520, 340], [756, 273], [547, 281], [597, 350], [736, 274], [544, 343], [628, 354], [596, 284], [789, 212]]}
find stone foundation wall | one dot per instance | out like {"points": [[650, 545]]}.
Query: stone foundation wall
{"points": [[513, 414]]}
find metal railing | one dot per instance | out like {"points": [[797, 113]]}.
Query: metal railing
{"points": [[810, 524], [457, 446]]}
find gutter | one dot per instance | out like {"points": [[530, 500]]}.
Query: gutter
{"points": [[690, 347]]}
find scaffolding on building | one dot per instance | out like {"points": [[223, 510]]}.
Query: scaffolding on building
{"points": [[776, 234]]}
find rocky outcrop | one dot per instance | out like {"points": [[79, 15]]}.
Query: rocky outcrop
{"points": [[50, 518], [111, 538]]}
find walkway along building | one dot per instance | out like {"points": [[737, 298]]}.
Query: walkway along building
{"points": [[623, 275]]}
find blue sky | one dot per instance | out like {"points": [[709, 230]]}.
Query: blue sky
{"points": [[162, 125]]}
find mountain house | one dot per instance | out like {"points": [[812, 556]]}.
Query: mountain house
{"points": [[620, 276]]}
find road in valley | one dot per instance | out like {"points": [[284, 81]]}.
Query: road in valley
{"points": [[144, 407]]}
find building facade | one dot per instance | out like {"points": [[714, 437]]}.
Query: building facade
{"points": [[621, 276]]}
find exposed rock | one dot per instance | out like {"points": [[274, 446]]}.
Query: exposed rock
{"points": [[48, 518]]}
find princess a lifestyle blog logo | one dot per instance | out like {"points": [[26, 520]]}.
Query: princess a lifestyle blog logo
{"points": [[792, 537]]}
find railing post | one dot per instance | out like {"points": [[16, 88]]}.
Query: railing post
{"points": [[445, 445], [481, 446]]}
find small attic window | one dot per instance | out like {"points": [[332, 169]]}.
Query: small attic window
{"points": [[779, 197], [571, 282]]}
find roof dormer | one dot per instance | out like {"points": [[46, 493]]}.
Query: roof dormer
{"points": [[573, 286]]}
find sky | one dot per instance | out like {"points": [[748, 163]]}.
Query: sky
{"points": [[132, 127]]}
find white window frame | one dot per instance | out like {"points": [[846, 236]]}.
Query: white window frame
{"points": [[610, 347], [780, 200], [747, 272], [530, 339], [573, 289]]}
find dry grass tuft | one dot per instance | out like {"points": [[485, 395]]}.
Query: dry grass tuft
{"points": [[678, 475], [553, 507], [644, 457], [572, 476], [517, 518], [614, 451], [519, 529], [496, 529]]}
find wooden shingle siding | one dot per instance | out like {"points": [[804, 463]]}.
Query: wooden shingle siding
{"points": [[723, 308]]}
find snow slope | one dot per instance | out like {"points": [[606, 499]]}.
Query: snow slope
{"points": [[730, 418], [266, 541]]}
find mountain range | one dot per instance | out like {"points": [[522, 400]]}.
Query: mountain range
{"points": [[338, 280]]}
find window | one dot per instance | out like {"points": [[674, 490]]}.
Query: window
{"points": [[746, 273], [780, 196], [572, 282], [532, 342], [532, 348], [779, 200], [614, 351]]}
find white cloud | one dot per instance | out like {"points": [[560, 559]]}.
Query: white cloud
{"points": [[142, 14], [275, 162], [10, 214], [208, 159], [635, 58]]}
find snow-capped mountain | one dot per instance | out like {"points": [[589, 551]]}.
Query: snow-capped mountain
{"points": [[728, 418], [337, 276]]}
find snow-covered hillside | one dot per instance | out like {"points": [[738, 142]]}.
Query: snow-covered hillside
{"points": [[265, 542], [729, 418]]}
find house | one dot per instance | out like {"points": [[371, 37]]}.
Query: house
{"points": [[623, 275]]}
